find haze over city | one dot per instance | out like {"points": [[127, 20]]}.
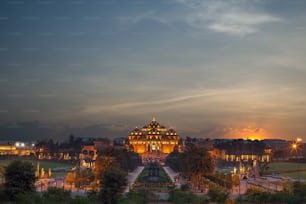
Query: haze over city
{"points": [[218, 69]]}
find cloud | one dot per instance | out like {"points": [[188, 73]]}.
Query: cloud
{"points": [[241, 23], [164, 102], [230, 17], [148, 15], [232, 29], [236, 17]]}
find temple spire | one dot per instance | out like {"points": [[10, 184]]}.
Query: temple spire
{"points": [[154, 119]]}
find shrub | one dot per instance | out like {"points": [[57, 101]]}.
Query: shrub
{"points": [[217, 194]]}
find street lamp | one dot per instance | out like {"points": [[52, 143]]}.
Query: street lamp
{"points": [[295, 146]]}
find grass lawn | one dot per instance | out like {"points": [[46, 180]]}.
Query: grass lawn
{"points": [[42, 164], [288, 169]]}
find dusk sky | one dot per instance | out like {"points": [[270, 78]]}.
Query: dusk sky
{"points": [[207, 68]]}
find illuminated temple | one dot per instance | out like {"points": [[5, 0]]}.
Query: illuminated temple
{"points": [[153, 139]]}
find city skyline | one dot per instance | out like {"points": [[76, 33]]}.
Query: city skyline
{"points": [[231, 69]]}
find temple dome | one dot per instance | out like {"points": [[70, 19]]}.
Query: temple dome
{"points": [[136, 131], [171, 132]]}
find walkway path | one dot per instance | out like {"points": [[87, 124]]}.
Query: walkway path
{"points": [[132, 176], [173, 176]]}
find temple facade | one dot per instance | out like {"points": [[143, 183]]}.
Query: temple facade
{"points": [[153, 138]]}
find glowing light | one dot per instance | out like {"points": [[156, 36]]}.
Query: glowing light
{"points": [[299, 139], [254, 137]]}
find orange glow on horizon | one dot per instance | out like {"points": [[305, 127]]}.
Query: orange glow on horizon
{"points": [[251, 133], [254, 137]]}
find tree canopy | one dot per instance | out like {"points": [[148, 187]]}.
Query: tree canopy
{"points": [[19, 178], [196, 161], [112, 183]]}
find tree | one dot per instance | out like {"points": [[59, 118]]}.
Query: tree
{"points": [[70, 178], [47, 146], [285, 197], [279, 154], [32, 197], [263, 167], [135, 197], [101, 164], [113, 182], [185, 187], [236, 180], [196, 162], [3, 194], [178, 196], [217, 194], [174, 160], [57, 195], [128, 161], [299, 188], [1, 170], [19, 178], [1, 173], [259, 197], [83, 177], [229, 180]]}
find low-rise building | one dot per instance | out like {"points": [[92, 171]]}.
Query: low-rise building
{"points": [[16, 148], [242, 150]]}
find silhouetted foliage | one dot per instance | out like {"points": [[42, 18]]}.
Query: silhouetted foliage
{"points": [[257, 196], [19, 178], [83, 177], [174, 160], [3, 194], [128, 161], [217, 194], [196, 163], [263, 167], [177, 196], [280, 154], [102, 164], [185, 187], [31, 197], [57, 195], [48, 145], [113, 181], [135, 197]]}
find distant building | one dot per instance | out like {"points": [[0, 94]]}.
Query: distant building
{"points": [[204, 143], [241, 150], [88, 156], [153, 140], [16, 148], [120, 143], [89, 152], [101, 144], [280, 148], [8, 148]]}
